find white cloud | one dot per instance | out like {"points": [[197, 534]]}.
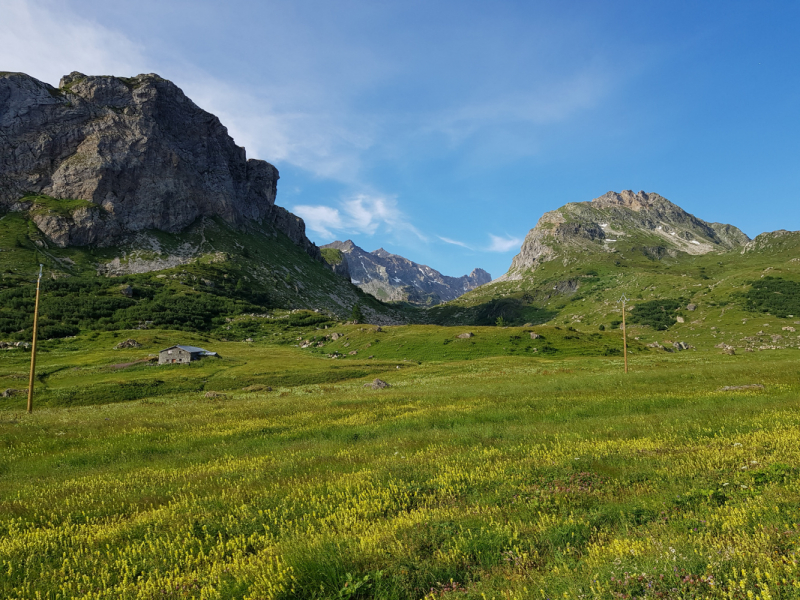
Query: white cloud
{"points": [[503, 244], [361, 214], [47, 42], [454, 242], [321, 219], [272, 127]]}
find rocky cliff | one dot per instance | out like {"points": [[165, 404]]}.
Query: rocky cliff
{"points": [[136, 151], [391, 277], [640, 222]]}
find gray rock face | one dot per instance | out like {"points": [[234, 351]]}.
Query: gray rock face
{"points": [[137, 149], [390, 277], [658, 227]]}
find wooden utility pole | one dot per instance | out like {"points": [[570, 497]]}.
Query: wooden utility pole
{"points": [[624, 333], [33, 347]]}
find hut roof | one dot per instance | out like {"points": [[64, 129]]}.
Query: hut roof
{"points": [[191, 350]]}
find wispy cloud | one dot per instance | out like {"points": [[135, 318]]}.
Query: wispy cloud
{"points": [[454, 242], [285, 127], [503, 244], [361, 214]]}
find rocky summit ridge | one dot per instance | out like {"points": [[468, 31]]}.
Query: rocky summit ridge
{"points": [[391, 277], [641, 222], [100, 158]]}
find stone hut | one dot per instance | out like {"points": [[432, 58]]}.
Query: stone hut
{"points": [[182, 354]]}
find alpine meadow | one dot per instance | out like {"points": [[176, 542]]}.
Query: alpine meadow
{"points": [[223, 409]]}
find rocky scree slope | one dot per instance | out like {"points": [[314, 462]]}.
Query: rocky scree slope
{"points": [[390, 277], [137, 151]]}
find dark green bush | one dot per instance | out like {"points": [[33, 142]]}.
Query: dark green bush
{"points": [[774, 295], [658, 314]]}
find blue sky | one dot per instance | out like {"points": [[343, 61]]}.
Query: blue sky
{"points": [[442, 130]]}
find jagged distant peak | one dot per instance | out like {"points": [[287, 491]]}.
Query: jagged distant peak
{"points": [[389, 276]]}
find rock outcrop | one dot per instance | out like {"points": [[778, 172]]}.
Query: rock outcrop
{"points": [[652, 224], [390, 277], [99, 158], [336, 262], [774, 242]]}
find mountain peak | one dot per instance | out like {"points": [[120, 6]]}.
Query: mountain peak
{"points": [[642, 222], [392, 277], [138, 152], [628, 199]]}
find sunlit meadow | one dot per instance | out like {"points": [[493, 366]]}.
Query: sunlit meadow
{"points": [[504, 477]]}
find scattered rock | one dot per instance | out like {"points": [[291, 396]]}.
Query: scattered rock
{"points": [[730, 351], [11, 392], [789, 329], [377, 384], [680, 319], [249, 340], [370, 356], [378, 329], [534, 335], [691, 307], [335, 336], [466, 335], [681, 346], [353, 352], [129, 343], [127, 291], [215, 395], [347, 344], [776, 337], [739, 388]]}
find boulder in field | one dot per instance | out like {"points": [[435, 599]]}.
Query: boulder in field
{"points": [[129, 343], [377, 384]]}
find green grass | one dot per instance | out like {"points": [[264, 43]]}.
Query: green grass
{"points": [[41, 204], [332, 256], [472, 476]]}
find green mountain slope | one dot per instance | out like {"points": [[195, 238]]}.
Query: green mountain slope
{"points": [[192, 280], [579, 261]]}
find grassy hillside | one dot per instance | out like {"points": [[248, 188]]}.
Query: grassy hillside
{"points": [[742, 298], [496, 477], [191, 280]]}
